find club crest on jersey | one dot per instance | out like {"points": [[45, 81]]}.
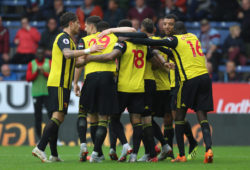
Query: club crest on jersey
{"points": [[66, 41]]}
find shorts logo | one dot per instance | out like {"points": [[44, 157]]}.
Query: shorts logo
{"points": [[66, 41], [183, 105], [65, 105], [146, 107]]}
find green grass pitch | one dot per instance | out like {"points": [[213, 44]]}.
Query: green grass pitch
{"points": [[20, 158]]}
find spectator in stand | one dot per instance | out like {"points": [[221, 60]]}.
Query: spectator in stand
{"points": [[159, 28], [182, 5], [39, 9], [136, 24], [141, 11], [212, 75], [198, 9], [59, 9], [231, 75], [6, 74], [225, 10], [170, 8], [210, 41], [37, 73], [154, 4], [48, 37], [26, 39], [114, 14], [234, 47], [88, 9], [4, 44], [244, 15]]}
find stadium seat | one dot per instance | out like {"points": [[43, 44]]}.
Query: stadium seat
{"points": [[70, 3], [240, 69], [14, 2]]}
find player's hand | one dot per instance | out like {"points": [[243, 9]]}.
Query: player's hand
{"points": [[96, 48], [76, 90], [170, 65], [105, 32]]}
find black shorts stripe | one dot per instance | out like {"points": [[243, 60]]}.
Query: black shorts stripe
{"points": [[182, 68]]}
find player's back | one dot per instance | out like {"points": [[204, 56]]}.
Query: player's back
{"points": [[62, 69], [108, 41], [132, 67], [190, 59]]}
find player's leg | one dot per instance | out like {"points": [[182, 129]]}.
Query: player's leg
{"points": [[100, 136], [38, 115], [137, 135], [149, 137], [113, 140], [82, 129], [179, 131], [168, 128], [202, 118]]}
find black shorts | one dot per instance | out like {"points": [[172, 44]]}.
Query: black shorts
{"points": [[98, 94], [150, 88], [196, 94], [161, 103], [134, 102], [59, 99], [173, 96]]}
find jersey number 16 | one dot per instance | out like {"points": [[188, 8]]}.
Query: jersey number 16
{"points": [[197, 48]]}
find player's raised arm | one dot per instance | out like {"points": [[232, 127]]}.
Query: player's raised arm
{"points": [[68, 53], [169, 42], [113, 30]]}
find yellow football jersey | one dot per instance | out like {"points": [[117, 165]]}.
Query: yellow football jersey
{"points": [[161, 76], [132, 67], [107, 41], [189, 57], [62, 69]]}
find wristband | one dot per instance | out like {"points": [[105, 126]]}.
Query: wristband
{"points": [[87, 51]]}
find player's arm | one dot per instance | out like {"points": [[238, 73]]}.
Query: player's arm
{"points": [[118, 50], [169, 42], [131, 34], [64, 44], [160, 61], [113, 30]]}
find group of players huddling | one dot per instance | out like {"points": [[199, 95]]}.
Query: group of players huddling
{"points": [[150, 76]]}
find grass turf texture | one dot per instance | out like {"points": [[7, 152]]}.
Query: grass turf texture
{"points": [[20, 158]]}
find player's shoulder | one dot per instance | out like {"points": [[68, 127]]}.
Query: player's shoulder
{"points": [[154, 37], [63, 38], [121, 44]]}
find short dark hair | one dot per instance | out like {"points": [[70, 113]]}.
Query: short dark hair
{"points": [[171, 16], [180, 28], [66, 18], [115, 1], [125, 23], [148, 24], [102, 25], [93, 20]]}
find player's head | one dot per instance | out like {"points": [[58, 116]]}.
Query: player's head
{"points": [[91, 24], [125, 23], [168, 24], [180, 28], [40, 53], [102, 25], [69, 21], [147, 26]]}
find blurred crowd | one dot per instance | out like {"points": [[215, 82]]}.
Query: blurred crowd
{"points": [[233, 52]]}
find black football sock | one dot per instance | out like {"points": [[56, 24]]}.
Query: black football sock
{"points": [[101, 133], [158, 133], [137, 135], [93, 128], [53, 144], [145, 142], [50, 129], [82, 127], [119, 130], [112, 137], [149, 137], [179, 132], [189, 134], [169, 134], [206, 134]]}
